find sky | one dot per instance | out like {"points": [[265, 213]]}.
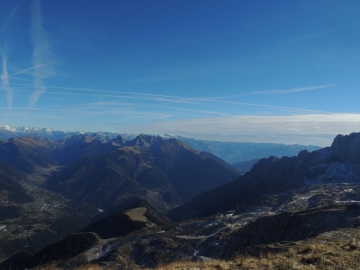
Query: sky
{"points": [[249, 71]]}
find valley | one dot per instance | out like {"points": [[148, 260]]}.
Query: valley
{"points": [[49, 217], [179, 135], [153, 201]]}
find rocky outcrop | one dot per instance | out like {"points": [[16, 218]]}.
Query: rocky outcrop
{"points": [[285, 226], [347, 148], [144, 141]]}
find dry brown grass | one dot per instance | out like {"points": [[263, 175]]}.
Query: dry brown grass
{"points": [[90, 266], [137, 214], [306, 255], [340, 250]]}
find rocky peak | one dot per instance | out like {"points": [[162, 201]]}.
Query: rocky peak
{"points": [[347, 147], [172, 142], [265, 163], [144, 141], [118, 141], [274, 172], [303, 154], [73, 139]]}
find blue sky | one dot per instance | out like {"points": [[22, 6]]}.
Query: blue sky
{"points": [[258, 71]]}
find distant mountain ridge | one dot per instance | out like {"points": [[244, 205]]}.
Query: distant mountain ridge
{"points": [[8, 132], [231, 152]]}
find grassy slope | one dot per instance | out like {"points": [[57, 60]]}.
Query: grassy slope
{"points": [[137, 214]]}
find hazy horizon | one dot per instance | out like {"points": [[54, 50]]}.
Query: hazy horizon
{"points": [[237, 138]]}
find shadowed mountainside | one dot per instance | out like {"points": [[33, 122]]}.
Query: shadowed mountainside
{"points": [[245, 166], [338, 163], [62, 250], [135, 214], [164, 172], [26, 153], [10, 189], [152, 214]]}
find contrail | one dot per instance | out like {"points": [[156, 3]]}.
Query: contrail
{"points": [[295, 90], [262, 105], [42, 54], [179, 101], [9, 18], [48, 63], [279, 92], [5, 82], [30, 68]]}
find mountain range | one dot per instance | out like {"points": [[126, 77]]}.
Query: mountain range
{"points": [[162, 201], [104, 173], [165, 171], [231, 152]]}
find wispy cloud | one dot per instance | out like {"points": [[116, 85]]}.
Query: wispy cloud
{"points": [[5, 82], [294, 90], [90, 92], [311, 36], [274, 92], [42, 54], [8, 19]]}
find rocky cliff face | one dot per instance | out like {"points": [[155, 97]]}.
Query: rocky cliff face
{"points": [[270, 175], [339, 163], [347, 147]]}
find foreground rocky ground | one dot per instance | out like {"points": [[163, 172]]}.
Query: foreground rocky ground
{"points": [[336, 249], [316, 227]]}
